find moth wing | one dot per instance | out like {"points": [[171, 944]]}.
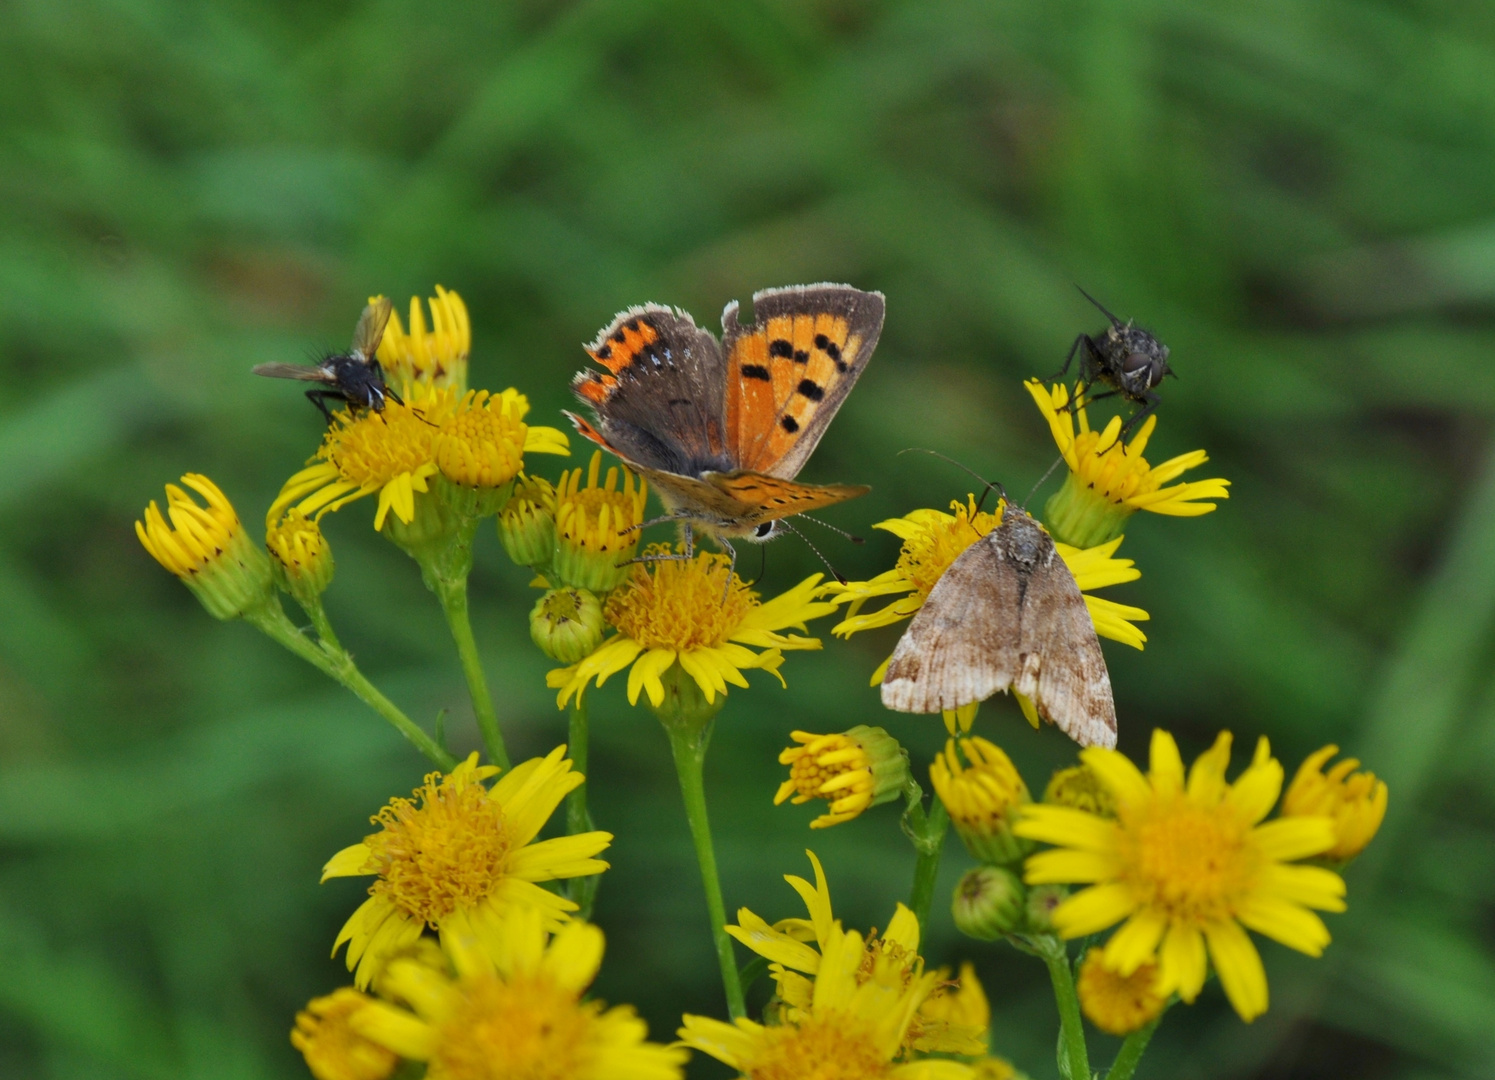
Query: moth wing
{"points": [[370, 329], [759, 497], [1064, 671], [660, 399], [789, 371], [962, 645], [303, 372]]}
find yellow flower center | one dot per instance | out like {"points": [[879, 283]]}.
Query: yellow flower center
{"points": [[447, 853], [333, 1050], [599, 519], [822, 760], [1118, 1004], [372, 448], [680, 606], [887, 962], [929, 553], [1079, 787], [1188, 860], [482, 443], [297, 542], [827, 1047], [527, 1029]]}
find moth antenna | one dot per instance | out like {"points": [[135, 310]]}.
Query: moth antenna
{"points": [[834, 572], [1047, 473], [833, 528], [998, 488], [1114, 320]]}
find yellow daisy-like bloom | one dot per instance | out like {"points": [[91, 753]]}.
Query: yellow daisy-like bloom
{"points": [[675, 613], [333, 1050], [852, 771], [436, 357], [597, 526], [1189, 865], [516, 1011], [1118, 1004], [852, 1028], [984, 799], [796, 948], [1357, 802], [933, 539], [207, 547], [483, 441], [1109, 481], [461, 856], [303, 558]]}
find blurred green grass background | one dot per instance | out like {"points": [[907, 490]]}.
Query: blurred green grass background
{"points": [[1296, 196]]}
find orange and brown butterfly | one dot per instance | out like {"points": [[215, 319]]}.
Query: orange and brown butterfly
{"points": [[722, 429]]}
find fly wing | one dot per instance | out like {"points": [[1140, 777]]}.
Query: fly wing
{"points": [[962, 645], [1064, 671], [370, 329], [304, 372]]}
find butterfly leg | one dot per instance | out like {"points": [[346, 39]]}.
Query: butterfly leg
{"points": [[685, 556]]}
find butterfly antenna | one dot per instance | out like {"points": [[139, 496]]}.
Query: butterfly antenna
{"points": [[834, 572], [998, 488], [833, 528], [762, 565], [1048, 473], [1114, 320]]}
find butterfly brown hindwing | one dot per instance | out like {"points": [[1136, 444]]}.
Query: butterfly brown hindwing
{"points": [[790, 370], [660, 404], [1007, 614], [763, 498]]}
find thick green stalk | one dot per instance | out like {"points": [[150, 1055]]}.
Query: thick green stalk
{"points": [[453, 597], [1131, 1051], [929, 841], [1074, 1059], [578, 819], [332, 661]]}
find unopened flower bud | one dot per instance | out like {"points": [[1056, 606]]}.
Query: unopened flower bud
{"points": [[1038, 916], [301, 558], [988, 903], [207, 547], [527, 524], [1079, 787], [983, 799], [566, 624]]}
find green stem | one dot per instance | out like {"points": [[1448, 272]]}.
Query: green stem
{"points": [[688, 744], [1074, 1059], [1130, 1054], [453, 596], [321, 624], [930, 844], [578, 819], [332, 661]]}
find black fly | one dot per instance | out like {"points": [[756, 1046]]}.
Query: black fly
{"points": [[1126, 358], [354, 377]]}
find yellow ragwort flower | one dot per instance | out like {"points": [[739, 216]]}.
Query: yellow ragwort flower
{"points": [[933, 539], [333, 1050], [673, 611], [526, 524], [1108, 480], [852, 771], [796, 948], [207, 547], [1357, 802], [484, 438], [597, 526], [516, 1010], [1118, 1004], [303, 559], [461, 856], [851, 1028], [984, 799], [1190, 866], [435, 357]]}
